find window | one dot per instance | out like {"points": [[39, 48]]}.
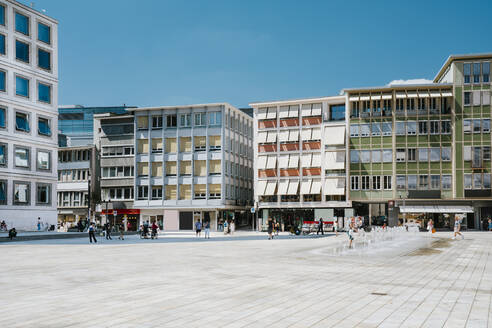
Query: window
{"points": [[365, 130], [411, 154], [476, 72], [215, 118], [423, 154], [477, 181], [2, 15], [44, 59], [22, 51], [433, 104], [422, 127], [365, 156], [156, 192], [467, 126], [185, 120], [3, 117], [476, 126], [354, 156], [486, 125], [410, 104], [22, 122], [44, 160], [434, 127], [486, 180], [486, 72], [376, 106], [399, 105], [445, 127], [44, 126], [467, 181], [467, 99], [2, 44], [423, 182], [200, 119], [354, 183], [3, 191], [156, 122], [486, 97], [376, 156], [3, 83], [446, 182], [171, 121], [466, 72], [412, 182], [44, 33], [467, 153], [337, 112], [21, 23], [387, 128], [3, 154], [21, 86], [411, 128], [401, 182], [486, 153], [365, 182], [435, 182], [422, 104], [376, 129], [387, 182], [355, 109], [435, 154], [44, 93], [354, 130], [142, 122], [376, 182], [21, 193], [446, 154], [143, 192], [43, 194], [400, 154], [387, 155]]}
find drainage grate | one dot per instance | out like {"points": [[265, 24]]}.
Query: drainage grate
{"points": [[379, 294]]}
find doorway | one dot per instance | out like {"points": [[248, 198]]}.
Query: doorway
{"points": [[185, 220]]}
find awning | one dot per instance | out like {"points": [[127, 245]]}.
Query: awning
{"points": [[387, 95], [316, 160], [332, 187], [435, 93], [262, 137], [261, 114], [294, 135], [306, 187], [446, 93], [261, 187], [412, 94], [376, 97], [270, 188], [354, 98], [283, 112], [306, 134], [316, 187], [272, 161], [336, 135], [272, 137], [262, 161], [283, 161], [294, 111], [437, 209], [306, 160], [423, 94], [316, 110], [364, 97], [316, 134], [400, 95], [306, 110], [283, 185], [294, 161], [272, 112], [293, 186], [283, 136]]}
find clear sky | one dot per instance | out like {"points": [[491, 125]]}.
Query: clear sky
{"points": [[151, 53]]}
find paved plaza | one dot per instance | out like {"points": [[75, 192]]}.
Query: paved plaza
{"points": [[247, 281]]}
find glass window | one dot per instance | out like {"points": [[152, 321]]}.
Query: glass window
{"points": [[44, 93], [468, 181], [476, 126], [44, 33], [376, 129], [22, 51], [387, 155], [3, 77], [3, 191], [476, 72], [411, 128], [467, 126], [435, 154], [423, 154], [2, 15], [354, 183], [446, 154], [44, 59], [337, 112], [365, 156], [44, 126], [376, 156], [423, 127], [467, 99], [3, 117], [486, 180], [354, 156], [3, 154], [2, 44], [387, 182], [400, 154], [401, 182], [467, 72], [376, 182], [423, 182], [354, 130], [400, 128], [411, 154], [467, 153], [200, 119], [435, 182], [445, 127], [21, 193], [434, 127], [486, 72], [22, 122], [171, 121], [156, 122], [43, 194], [446, 182], [486, 153], [365, 182], [21, 23], [185, 120], [21, 86], [43, 161], [22, 157], [387, 128], [486, 125], [365, 130], [412, 182], [477, 181]]}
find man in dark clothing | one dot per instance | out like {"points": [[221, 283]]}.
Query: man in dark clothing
{"points": [[92, 231], [108, 231], [12, 233], [320, 227]]}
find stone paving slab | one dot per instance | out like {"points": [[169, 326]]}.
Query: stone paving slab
{"points": [[247, 281]]}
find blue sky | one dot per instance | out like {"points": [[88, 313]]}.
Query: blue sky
{"points": [[151, 53]]}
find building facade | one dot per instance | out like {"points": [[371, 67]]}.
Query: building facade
{"points": [[28, 116], [420, 152], [300, 160], [193, 163]]}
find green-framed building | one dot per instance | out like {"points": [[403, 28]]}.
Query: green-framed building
{"points": [[422, 151]]}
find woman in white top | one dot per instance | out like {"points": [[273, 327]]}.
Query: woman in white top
{"points": [[430, 226], [335, 227]]}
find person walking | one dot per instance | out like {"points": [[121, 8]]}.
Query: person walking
{"points": [[39, 224], [92, 231], [122, 230], [108, 231], [430, 226], [198, 228], [335, 227], [457, 228], [207, 229], [320, 227], [350, 234], [225, 227], [154, 227], [490, 224], [270, 228]]}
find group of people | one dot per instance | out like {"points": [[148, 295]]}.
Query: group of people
{"points": [[146, 227], [205, 226], [273, 226]]}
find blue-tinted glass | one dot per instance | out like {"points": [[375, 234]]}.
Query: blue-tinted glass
{"points": [[3, 196], [22, 51], [44, 33], [44, 93], [21, 123], [2, 156], [44, 127], [2, 15], [2, 44], [44, 59], [2, 81], [337, 113], [21, 86], [22, 23], [2, 117]]}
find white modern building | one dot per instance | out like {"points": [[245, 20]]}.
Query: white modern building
{"points": [[193, 163], [300, 160], [28, 116]]}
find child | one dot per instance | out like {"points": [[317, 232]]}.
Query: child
{"points": [[350, 234]]}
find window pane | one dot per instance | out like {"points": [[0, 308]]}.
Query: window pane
{"points": [[423, 154], [387, 155], [2, 15], [44, 93], [411, 128], [43, 160], [2, 80], [21, 193], [337, 113], [435, 154], [3, 117], [21, 157], [354, 156], [412, 181], [22, 23], [376, 156], [22, 51], [446, 182], [3, 155], [44, 59], [44, 33], [400, 128], [21, 122], [2, 43], [365, 156], [21, 86], [446, 153]]}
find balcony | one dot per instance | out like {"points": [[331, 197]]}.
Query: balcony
{"points": [[311, 145], [288, 122], [312, 171], [267, 148], [316, 120], [289, 146], [289, 172], [269, 173], [267, 124]]}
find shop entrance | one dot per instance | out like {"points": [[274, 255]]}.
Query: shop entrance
{"points": [[185, 220]]}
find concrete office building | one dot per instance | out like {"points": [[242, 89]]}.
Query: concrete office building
{"points": [[420, 152], [28, 115], [193, 163], [300, 160]]}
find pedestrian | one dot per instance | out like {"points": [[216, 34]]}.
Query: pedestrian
{"points": [[490, 224], [457, 227], [232, 227], [92, 235], [229, 226], [12, 233], [270, 228], [154, 228], [207, 229], [277, 228], [350, 234], [430, 227], [122, 230], [335, 227], [108, 231], [39, 224], [128, 226], [320, 227], [198, 228], [225, 227]]}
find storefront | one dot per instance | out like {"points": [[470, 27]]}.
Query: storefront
{"points": [[442, 215], [129, 217]]}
